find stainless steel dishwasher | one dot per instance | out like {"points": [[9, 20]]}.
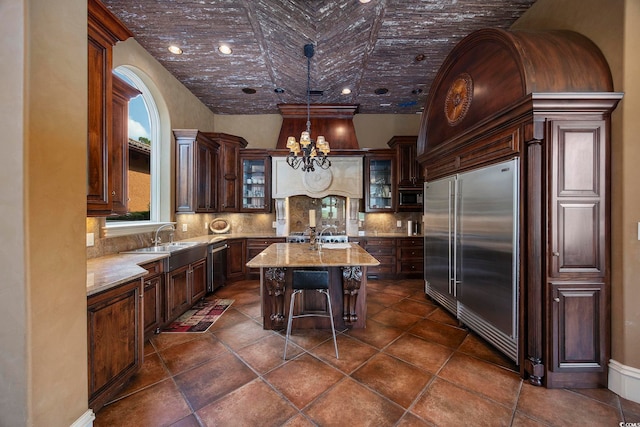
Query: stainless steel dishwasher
{"points": [[216, 265]]}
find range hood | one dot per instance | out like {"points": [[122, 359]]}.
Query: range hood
{"points": [[333, 121], [343, 178]]}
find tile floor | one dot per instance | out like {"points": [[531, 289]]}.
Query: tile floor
{"points": [[411, 366]]}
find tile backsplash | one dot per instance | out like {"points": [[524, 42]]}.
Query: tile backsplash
{"points": [[242, 223]]}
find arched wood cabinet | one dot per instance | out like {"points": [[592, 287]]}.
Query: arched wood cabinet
{"points": [[544, 97]]}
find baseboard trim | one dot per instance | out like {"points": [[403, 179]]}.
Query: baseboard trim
{"points": [[85, 420], [624, 381]]}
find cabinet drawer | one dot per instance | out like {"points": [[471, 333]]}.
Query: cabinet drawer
{"points": [[408, 253], [153, 267], [380, 250], [410, 242], [264, 243], [411, 267], [381, 242], [387, 265]]}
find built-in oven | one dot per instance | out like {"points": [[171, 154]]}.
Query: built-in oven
{"points": [[216, 265]]}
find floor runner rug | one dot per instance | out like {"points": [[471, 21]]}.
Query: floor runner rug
{"points": [[200, 317]]}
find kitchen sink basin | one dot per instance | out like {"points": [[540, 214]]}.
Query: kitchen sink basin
{"points": [[165, 248], [180, 253]]}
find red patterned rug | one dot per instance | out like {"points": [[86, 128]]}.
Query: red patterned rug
{"points": [[200, 317]]}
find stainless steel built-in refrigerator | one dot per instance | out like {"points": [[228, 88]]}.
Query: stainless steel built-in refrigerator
{"points": [[471, 250]]}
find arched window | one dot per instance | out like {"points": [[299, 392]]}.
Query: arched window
{"points": [[144, 162]]}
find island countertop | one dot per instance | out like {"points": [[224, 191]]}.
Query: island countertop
{"points": [[301, 255]]}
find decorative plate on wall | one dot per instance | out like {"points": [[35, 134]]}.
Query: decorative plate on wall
{"points": [[219, 226]]}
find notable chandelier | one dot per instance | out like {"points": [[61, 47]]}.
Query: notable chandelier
{"points": [[307, 152]]}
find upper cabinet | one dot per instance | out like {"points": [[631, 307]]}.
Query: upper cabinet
{"points": [[380, 190], [229, 187], [255, 181], [104, 30], [409, 173], [196, 172]]}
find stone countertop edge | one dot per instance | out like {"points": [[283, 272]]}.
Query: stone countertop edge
{"points": [[109, 271]]}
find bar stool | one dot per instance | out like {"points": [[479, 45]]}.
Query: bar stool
{"points": [[309, 280]]}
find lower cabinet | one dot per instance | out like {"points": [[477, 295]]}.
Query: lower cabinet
{"points": [[198, 280], [254, 247], [384, 250], [115, 340], [184, 286], [153, 298], [577, 319], [236, 259], [410, 257]]}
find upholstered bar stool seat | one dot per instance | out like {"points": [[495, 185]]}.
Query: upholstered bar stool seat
{"points": [[309, 280]]}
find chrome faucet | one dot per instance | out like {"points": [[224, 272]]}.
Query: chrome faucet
{"points": [[322, 232], [157, 239]]}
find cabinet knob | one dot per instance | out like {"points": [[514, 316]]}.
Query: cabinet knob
{"points": [[113, 193], [556, 254], [556, 299]]}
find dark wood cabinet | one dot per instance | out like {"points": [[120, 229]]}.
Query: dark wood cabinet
{"points": [[254, 247], [196, 172], [384, 250], [178, 294], [104, 31], [380, 189], [255, 181], [236, 259], [228, 177], [198, 280], [547, 99], [409, 176], [576, 324], [184, 286], [115, 340], [119, 148], [153, 298], [410, 257], [577, 236], [409, 172]]}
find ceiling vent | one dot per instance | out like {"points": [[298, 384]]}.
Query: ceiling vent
{"points": [[316, 93]]}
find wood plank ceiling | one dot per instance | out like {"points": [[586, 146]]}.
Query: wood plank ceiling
{"points": [[397, 45]]}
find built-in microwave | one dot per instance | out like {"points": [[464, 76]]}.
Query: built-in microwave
{"points": [[410, 197]]}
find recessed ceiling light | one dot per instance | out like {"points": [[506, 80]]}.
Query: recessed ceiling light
{"points": [[278, 90], [225, 49], [175, 49], [364, 1], [381, 91], [249, 90], [346, 91], [417, 91]]}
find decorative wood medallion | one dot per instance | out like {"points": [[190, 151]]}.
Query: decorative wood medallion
{"points": [[458, 99]]}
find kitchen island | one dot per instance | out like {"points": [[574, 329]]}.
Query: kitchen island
{"points": [[346, 263]]}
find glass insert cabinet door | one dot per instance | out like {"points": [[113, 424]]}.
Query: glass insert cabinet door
{"points": [[380, 189], [256, 185]]}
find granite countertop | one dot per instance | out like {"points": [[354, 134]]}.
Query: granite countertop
{"points": [[300, 255], [112, 270]]}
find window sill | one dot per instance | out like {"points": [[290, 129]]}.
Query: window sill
{"points": [[123, 229]]}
